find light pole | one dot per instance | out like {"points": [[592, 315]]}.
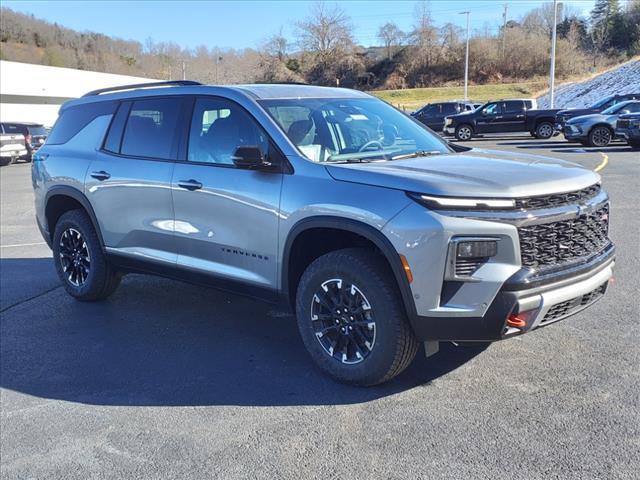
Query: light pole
{"points": [[466, 59], [552, 72]]}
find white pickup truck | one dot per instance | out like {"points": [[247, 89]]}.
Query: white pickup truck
{"points": [[12, 147]]}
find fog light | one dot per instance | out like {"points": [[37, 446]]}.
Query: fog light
{"points": [[477, 249]]}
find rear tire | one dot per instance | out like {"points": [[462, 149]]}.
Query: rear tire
{"points": [[600, 136], [544, 130], [80, 262], [464, 132], [351, 318]]}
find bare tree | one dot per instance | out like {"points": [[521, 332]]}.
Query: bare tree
{"points": [[326, 32], [391, 36]]}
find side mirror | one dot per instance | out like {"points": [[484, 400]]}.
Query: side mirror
{"points": [[624, 111], [484, 112], [250, 157]]}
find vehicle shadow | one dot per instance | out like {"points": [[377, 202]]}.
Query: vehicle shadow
{"points": [[157, 342]]}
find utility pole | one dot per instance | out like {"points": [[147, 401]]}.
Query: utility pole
{"points": [[552, 72], [504, 29], [184, 71], [466, 60]]}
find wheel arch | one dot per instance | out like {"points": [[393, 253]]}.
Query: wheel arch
{"points": [[61, 199], [291, 271]]}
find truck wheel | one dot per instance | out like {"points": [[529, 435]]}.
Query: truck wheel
{"points": [[600, 136], [351, 318], [464, 132], [4, 161], [80, 262], [544, 130]]}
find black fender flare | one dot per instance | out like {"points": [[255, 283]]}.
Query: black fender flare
{"points": [[366, 231], [77, 195]]}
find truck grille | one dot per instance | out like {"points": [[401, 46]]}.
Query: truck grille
{"points": [[555, 243], [558, 199], [570, 306], [624, 123]]}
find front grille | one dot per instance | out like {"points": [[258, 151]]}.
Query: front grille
{"points": [[569, 306], [558, 199], [565, 241], [623, 123]]}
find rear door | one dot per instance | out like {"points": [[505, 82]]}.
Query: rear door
{"points": [[513, 116], [226, 218], [129, 181]]}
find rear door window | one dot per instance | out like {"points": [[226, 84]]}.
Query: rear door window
{"points": [[513, 106], [450, 108], [151, 129]]}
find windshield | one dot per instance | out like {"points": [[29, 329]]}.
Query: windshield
{"points": [[630, 105], [37, 131], [602, 102], [352, 129]]}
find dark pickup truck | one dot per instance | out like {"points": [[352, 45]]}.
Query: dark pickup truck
{"points": [[500, 117], [601, 105]]}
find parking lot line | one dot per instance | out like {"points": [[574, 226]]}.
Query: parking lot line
{"points": [[601, 165], [22, 245]]}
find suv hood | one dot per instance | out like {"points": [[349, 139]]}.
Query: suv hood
{"points": [[574, 112], [476, 173]]}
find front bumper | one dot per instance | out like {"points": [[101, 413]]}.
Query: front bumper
{"points": [[573, 132], [449, 130], [547, 304], [13, 153]]}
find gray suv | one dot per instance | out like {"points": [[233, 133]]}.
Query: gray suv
{"points": [[379, 234]]}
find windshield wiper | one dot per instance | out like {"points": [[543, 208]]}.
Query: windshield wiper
{"points": [[417, 153], [349, 160]]}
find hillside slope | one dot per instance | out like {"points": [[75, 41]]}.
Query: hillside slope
{"points": [[622, 79]]}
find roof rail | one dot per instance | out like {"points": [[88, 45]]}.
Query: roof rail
{"points": [[183, 83]]}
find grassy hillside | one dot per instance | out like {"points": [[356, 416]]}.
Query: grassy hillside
{"points": [[412, 98]]}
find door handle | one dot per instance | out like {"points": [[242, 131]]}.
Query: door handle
{"points": [[190, 184], [101, 175], [519, 116]]}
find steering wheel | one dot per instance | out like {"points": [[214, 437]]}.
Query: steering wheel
{"points": [[371, 143]]}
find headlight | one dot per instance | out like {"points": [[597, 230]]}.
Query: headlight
{"points": [[463, 203], [634, 124], [447, 121]]}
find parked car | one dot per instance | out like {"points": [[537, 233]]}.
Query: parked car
{"points": [[598, 129], [12, 146], [500, 117], [34, 134], [628, 128], [433, 114], [377, 232], [564, 115]]}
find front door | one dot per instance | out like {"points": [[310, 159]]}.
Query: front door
{"points": [[226, 218], [129, 181], [490, 116]]}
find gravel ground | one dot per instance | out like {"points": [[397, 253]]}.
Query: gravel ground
{"points": [[168, 380]]}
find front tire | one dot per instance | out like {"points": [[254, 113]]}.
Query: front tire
{"points": [[634, 143], [600, 136], [464, 132], [544, 130], [80, 262], [351, 318]]}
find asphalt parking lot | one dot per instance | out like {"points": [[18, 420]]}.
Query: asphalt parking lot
{"points": [[169, 380]]}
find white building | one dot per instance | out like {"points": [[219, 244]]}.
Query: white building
{"points": [[34, 93]]}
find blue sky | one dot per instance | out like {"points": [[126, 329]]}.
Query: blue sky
{"points": [[241, 24]]}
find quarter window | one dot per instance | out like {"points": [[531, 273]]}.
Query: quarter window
{"points": [[151, 128], [218, 128]]}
